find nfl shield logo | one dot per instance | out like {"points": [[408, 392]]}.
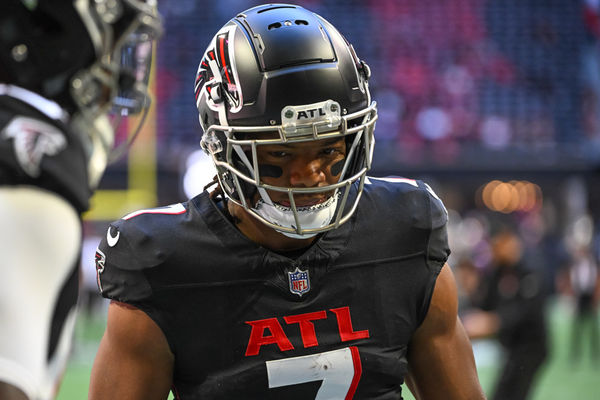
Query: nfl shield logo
{"points": [[299, 282]]}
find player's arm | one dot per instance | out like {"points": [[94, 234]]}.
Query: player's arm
{"points": [[134, 360], [440, 357]]}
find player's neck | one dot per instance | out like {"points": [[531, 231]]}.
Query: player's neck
{"points": [[262, 234]]}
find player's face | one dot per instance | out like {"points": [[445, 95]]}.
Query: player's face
{"points": [[302, 165]]}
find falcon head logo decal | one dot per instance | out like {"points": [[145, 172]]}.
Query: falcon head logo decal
{"points": [[217, 77], [32, 140]]}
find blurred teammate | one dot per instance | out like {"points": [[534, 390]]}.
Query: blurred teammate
{"points": [[512, 302], [60, 69], [298, 277], [583, 285]]}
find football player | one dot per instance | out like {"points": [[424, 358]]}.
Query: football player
{"points": [[63, 64], [298, 276]]}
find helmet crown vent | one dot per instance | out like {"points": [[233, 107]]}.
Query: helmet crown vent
{"points": [[276, 25]]}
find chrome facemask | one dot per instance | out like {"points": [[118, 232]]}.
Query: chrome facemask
{"points": [[235, 158], [117, 83]]}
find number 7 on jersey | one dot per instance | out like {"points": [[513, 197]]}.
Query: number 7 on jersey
{"points": [[340, 371]]}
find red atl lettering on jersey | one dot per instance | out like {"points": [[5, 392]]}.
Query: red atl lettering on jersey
{"points": [[307, 328], [258, 338], [345, 325], [277, 336]]}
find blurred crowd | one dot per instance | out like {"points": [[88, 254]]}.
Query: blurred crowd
{"points": [[446, 74]]}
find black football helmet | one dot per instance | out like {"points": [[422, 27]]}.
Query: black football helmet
{"points": [[288, 74], [88, 56]]}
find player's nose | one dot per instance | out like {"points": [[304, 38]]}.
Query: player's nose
{"points": [[306, 172]]}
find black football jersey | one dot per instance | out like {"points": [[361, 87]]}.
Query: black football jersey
{"points": [[245, 322], [38, 151]]}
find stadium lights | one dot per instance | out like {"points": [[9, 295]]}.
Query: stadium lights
{"points": [[512, 196]]}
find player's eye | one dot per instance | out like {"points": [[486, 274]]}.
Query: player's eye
{"points": [[278, 154], [329, 151]]}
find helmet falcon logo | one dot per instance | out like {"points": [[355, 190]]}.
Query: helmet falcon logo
{"points": [[32, 139], [217, 78]]}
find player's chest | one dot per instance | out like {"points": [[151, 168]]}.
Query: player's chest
{"points": [[355, 319]]}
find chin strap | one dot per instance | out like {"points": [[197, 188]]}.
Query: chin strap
{"points": [[312, 217]]}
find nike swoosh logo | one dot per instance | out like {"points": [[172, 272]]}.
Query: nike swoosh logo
{"points": [[112, 240]]}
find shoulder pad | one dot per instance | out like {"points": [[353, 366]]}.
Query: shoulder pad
{"points": [[438, 249], [137, 241], [413, 202], [412, 197], [133, 245], [439, 214]]}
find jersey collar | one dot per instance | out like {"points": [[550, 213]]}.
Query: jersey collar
{"points": [[48, 107]]}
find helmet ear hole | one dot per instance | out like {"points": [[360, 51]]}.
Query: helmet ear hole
{"points": [[216, 93], [365, 70]]}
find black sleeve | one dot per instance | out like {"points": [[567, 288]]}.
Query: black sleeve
{"points": [[438, 249], [127, 259], [122, 268]]}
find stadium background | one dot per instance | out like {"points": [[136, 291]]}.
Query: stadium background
{"points": [[495, 103]]}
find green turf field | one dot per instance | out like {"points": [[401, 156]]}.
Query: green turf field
{"points": [[559, 379]]}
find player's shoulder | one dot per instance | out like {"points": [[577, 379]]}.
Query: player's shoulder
{"points": [[138, 239], [133, 246], [155, 215], [406, 198]]}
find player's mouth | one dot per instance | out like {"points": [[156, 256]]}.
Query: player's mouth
{"points": [[303, 202]]}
